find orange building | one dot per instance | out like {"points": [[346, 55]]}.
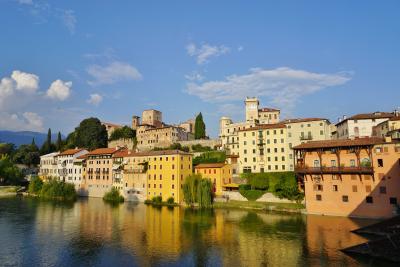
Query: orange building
{"points": [[220, 174], [99, 175], [350, 177]]}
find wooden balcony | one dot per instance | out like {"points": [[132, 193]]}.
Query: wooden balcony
{"points": [[333, 170]]}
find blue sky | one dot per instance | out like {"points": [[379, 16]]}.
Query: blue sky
{"points": [[62, 61]]}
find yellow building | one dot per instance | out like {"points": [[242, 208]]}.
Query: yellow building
{"points": [[166, 173], [220, 174], [388, 128]]}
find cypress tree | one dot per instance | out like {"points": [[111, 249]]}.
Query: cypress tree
{"points": [[48, 141], [199, 127], [59, 142], [33, 142]]}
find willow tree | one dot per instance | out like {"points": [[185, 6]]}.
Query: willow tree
{"points": [[190, 187], [205, 193]]}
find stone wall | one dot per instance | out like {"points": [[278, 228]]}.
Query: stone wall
{"points": [[204, 142], [269, 197], [122, 143]]}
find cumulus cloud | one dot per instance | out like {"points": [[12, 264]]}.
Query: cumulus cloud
{"points": [[27, 121], [25, 81], [114, 72], [95, 99], [6, 88], [59, 90], [204, 52], [282, 86]]}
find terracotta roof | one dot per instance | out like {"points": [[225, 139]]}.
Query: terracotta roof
{"points": [[303, 120], [71, 151], [366, 116], [101, 151], [395, 118], [84, 156], [264, 126], [268, 110], [209, 165], [122, 153], [112, 124], [367, 141]]}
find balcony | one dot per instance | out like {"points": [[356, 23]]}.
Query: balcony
{"points": [[135, 170], [334, 170], [306, 137]]}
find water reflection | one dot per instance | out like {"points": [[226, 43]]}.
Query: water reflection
{"points": [[91, 233]]}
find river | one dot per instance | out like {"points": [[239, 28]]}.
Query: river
{"points": [[92, 233]]}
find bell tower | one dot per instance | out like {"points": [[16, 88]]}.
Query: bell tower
{"points": [[251, 109]]}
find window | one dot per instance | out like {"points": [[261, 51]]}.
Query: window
{"points": [[316, 163], [382, 189], [245, 151], [369, 200], [318, 197], [345, 198], [368, 188], [335, 188], [354, 188], [333, 163], [393, 200], [352, 163], [380, 162]]}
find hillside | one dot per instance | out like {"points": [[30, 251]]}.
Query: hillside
{"points": [[24, 137]]}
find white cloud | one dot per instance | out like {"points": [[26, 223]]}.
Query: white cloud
{"points": [[194, 76], [28, 121], [282, 86], [69, 20], [59, 90], [206, 51], [25, 81], [112, 73], [6, 88], [95, 99]]}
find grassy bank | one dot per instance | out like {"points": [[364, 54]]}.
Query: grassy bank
{"points": [[157, 201], [284, 207], [9, 189]]}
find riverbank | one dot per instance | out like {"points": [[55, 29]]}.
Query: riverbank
{"points": [[6, 191], [266, 206]]}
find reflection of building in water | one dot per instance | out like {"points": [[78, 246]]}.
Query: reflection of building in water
{"points": [[325, 235]]}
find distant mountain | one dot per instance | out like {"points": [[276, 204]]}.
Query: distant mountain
{"points": [[24, 137]]}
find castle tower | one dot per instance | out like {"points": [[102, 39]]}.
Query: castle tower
{"points": [[251, 109], [135, 122]]}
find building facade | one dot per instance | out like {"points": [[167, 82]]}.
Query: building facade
{"points": [[166, 173], [220, 174], [360, 125], [357, 178], [99, 175], [65, 163], [388, 128], [48, 166]]}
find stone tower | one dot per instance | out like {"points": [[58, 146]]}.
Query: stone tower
{"points": [[251, 109]]}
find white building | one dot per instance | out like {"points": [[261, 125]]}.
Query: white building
{"points": [[360, 125], [48, 166], [78, 173], [255, 115], [65, 163]]}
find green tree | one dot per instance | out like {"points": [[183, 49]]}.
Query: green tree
{"points": [[7, 149], [205, 193], [47, 146], [35, 185], [59, 142], [33, 142], [190, 188], [90, 134], [199, 127], [9, 173], [210, 157], [123, 133], [27, 154]]}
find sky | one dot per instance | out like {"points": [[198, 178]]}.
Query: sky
{"points": [[63, 61]]}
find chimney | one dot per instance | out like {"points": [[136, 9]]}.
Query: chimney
{"points": [[339, 119], [344, 117]]}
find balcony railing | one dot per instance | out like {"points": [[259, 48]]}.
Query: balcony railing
{"points": [[334, 170]]}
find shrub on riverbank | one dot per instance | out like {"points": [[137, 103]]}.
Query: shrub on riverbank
{"points": [[113, 196], [53, 189], [35, 185], [58, 190]]}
